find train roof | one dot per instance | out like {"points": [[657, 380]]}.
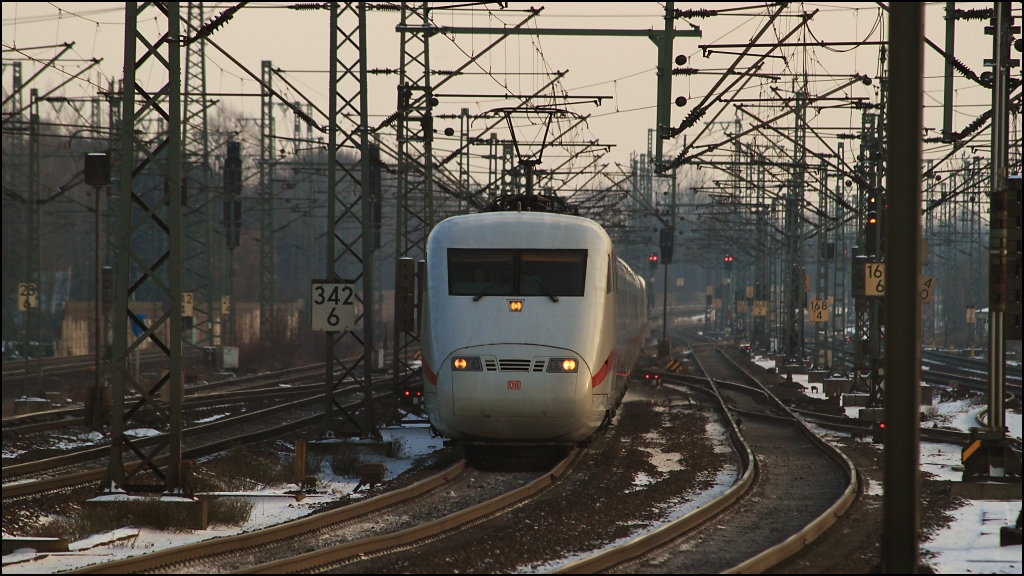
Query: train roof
{"points": [[484, 224]]}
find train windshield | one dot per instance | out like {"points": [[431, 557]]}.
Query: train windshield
{"points": [[473, 272], [481, 272], [552, 272]]}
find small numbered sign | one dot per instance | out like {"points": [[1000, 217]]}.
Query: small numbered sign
{"points": [[710, 290], [971, 316], [28, 296], [874, 279], [927, 286], [750, 291], [225, 305], [819, 310], [679, 282], [716, 303], [742, 307], [334, 306], [187, 304], [760, 307]]}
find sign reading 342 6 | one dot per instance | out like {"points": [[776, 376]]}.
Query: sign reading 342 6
{"points": [[334, 306]]}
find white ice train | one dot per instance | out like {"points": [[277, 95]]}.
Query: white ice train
{"points": [[531, 326]]}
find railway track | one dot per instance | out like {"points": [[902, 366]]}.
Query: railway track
{"points": [[763, 523], [448, 555], [74, 415], [656, 550], [66, 479], [430, 509], [15, 372]]}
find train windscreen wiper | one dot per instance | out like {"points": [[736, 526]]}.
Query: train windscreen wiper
{"points": [[543, 288], [508, 276]]}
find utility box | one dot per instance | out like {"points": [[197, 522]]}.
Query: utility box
{"points": [[227, 358], [927, 395]]}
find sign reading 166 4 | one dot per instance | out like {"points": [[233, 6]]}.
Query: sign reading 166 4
{"points": [[334, 306]]}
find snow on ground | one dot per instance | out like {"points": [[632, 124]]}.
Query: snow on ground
{"points": [[212, 418], [970, 544], [273, 506]]}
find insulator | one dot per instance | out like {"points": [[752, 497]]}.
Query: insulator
{"points": [[973, 126], [695, 13], [382, 71], [963, 69], [211, 27], [305, 117], [692, 118], [389, 120], [974, 14], [310, 6], [684, 71], [386, 7]]}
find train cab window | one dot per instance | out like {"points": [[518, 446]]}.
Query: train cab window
{"points": [[552, 272], [481, 272], [473, 272]]}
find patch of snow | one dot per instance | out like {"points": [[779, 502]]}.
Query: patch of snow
{"points": [[270, 509], [142, 432], [971, 543], [211, 418], [640, 480], [102, 539]]}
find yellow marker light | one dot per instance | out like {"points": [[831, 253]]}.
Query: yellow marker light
{"points": [[515, 305], [569, 365], [469, 363]]}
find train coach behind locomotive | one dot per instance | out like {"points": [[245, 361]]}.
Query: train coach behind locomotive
{"points": [[531, 327]]}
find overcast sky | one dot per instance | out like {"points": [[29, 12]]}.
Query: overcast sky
{"points": [[622, 69]]}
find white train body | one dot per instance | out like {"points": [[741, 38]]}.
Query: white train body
{"points": [[504, 362]]}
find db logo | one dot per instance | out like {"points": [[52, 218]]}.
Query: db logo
{"points": [[515, 384]]}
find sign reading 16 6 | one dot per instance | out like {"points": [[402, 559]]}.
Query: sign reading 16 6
{"points": [[334, 306]]}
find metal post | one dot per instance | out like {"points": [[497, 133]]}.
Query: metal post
{"points": [[821, 361], [664, 120], [99, 329], [901, 508], [794, 274], [268, 252], [13, 243], [947, 87], [999, 218], [160, 214], [199, 213], [840, 283], [33, 277], [349, 248]]}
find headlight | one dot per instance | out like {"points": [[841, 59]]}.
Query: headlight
{"points": [[466, 364], [562, 365]]}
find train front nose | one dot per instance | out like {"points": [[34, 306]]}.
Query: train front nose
{"points": [[515, 390]]}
